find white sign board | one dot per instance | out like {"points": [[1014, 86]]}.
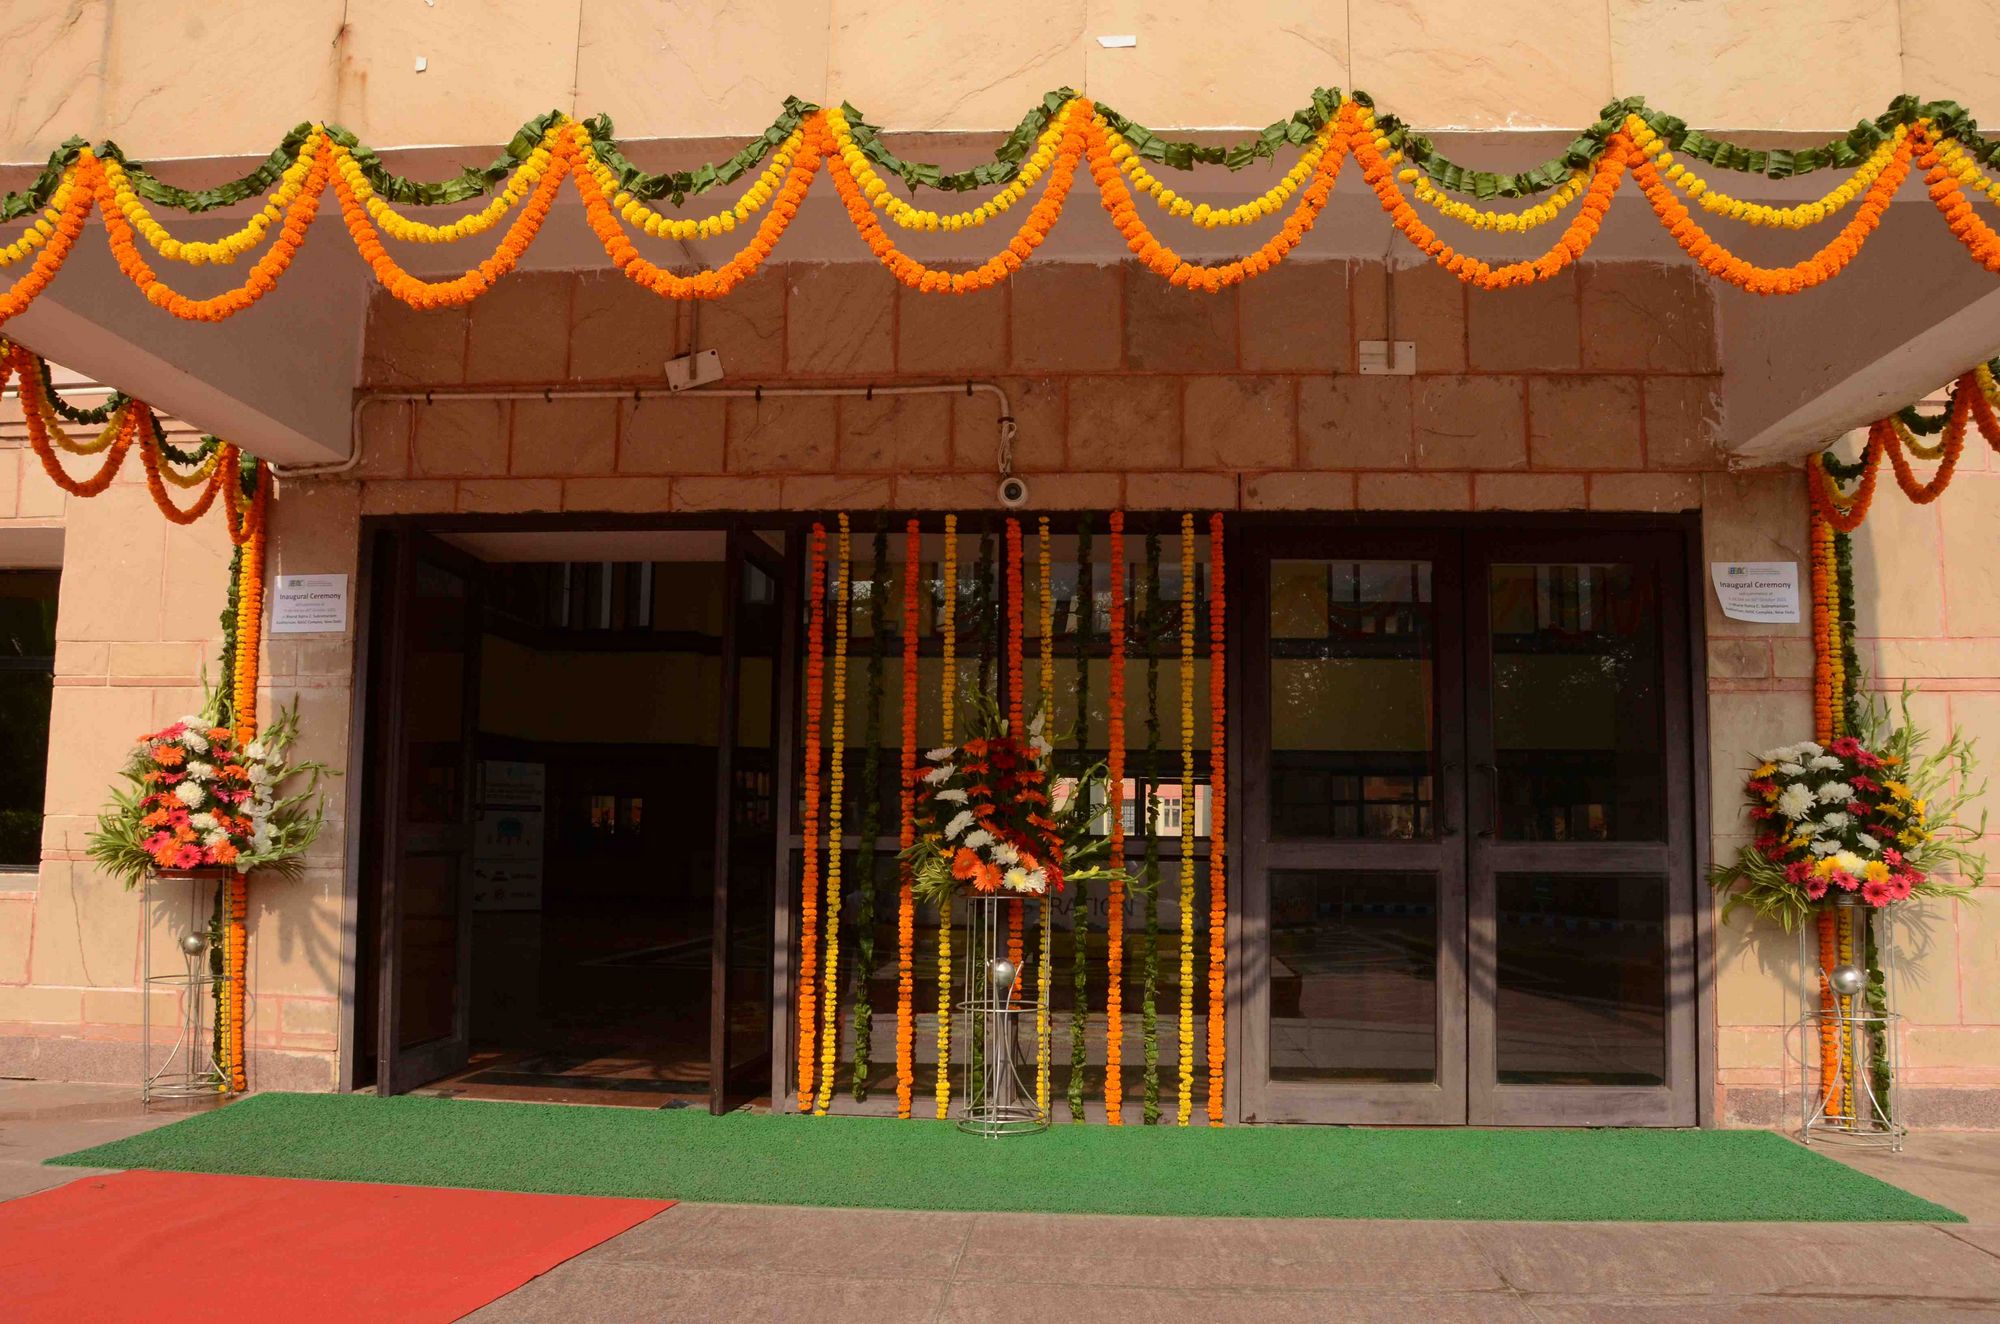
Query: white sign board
{"points": [[309, 604], [1766, 591], [507, 836]]}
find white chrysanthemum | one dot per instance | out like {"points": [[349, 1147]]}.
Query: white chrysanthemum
{"points": [[959, 823], [1795, 802], [1018, 880], [191, 794], [941, 754], [1835, 793], [1791, 769], [977, 838], [194, 741], [1848, 860], [1004, 854], [950, 795], [1807, 749], [1867, 842], [1040, 879], [937, 775], [201, 772], [204, 822], [1825, 846], [1823, 763], [1835, 821], [216, 838], [191, 722]]}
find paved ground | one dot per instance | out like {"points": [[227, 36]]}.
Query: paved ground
{"points": [[731, 1262]]}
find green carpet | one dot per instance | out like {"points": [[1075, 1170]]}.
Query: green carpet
{"points": [[1285, 1172]]}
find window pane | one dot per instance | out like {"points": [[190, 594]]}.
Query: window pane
{"points": [[1353, 976], [1582, 979], [1352, 726], [27, 666], [1577, 729]]}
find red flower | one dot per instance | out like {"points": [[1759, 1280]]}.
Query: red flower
{"points": [[1846, 747], [1878, 892], [1815, 886]]}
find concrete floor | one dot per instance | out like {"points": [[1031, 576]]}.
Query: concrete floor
{"points": [[732, 1262]]}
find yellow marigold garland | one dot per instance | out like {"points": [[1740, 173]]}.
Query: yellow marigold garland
{"points": [[661, 226], [1795, 217], [1256, 209], [1187, 865], [1481, 218], [906, 904], [835, 802], [1218, 834], [196, 252], [948, 635], [909, 217], [42, 227], [520, 184]]}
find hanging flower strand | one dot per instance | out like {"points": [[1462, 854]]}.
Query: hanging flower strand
{"points": [[1185, 1047], [809, 829], [947, 704], [835, 803], [1114, 937], [1046, 700], [1218, 836], [906, 905]]}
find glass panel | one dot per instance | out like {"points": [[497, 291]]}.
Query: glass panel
{"points": [[752, 831], [1582, 980], [1577, 726], [1353, 731], [1354, 976], [428, 968], [27, 668]]}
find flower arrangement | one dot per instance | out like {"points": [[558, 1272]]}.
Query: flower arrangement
{"points": [[992, 818], [201, 798], [1869, 815]]}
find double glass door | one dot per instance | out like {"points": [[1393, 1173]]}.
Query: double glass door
{"points": [[1467, 841]]}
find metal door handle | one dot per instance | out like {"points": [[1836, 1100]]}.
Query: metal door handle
{"points": [[1492, 772]]}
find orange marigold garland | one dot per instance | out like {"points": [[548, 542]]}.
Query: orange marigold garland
{"points": [[809, 828], [1114, 936], [1218, 837], [1164, 261], [1967, 226], [906, 905], [252, 522], [1827, 713], [1041, 218], [836, 803], [1186, 873]]}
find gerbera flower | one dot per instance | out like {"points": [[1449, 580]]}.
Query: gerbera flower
{"points": [[1877, 893]]}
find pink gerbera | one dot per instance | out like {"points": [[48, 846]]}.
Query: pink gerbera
{"points": [[1878, 892], [1866, 759], [1891, 856], [1844, 880], [1846, 747], [1815, 885], [1900, 887]]}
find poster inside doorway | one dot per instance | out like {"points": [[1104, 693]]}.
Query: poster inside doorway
{"points": [[508, 833]]}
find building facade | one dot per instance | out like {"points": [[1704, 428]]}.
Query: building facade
{"points": [[1486, 722]]}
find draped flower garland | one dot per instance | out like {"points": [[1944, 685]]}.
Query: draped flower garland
{"points": [[219, 474], [1040, 159], [994, 599]]}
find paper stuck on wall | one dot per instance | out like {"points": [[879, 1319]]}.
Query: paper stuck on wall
{"points": [[1766, 591]]}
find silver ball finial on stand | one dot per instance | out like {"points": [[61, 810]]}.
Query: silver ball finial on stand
{"points": [[1002, 974], [192, 944], [1847, 979]]}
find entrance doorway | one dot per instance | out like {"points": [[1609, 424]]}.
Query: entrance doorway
{"points": [[572, 755], [1467, 827]]}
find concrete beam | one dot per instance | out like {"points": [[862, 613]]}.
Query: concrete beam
{"points": [[277, 380]]}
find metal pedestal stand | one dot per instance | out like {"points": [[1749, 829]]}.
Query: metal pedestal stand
{"points": [[190, 1070], [1860, 1115], [998, 1100]]}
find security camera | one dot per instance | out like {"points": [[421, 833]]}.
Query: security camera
{"points": [[1013, 492]]}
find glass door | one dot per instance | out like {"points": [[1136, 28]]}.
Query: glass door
{"points": [[429, 716], [746, 827], [1581, 923], [1354, 994]]}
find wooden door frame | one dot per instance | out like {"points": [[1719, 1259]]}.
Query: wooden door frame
{"points": [[1443, 856], [1245, 650], [743, 551], [440, 1057], [1491, 1103]]}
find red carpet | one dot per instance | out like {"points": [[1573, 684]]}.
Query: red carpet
{"points": [[184, 1246]]}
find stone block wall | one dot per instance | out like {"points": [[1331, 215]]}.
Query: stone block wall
{"points": [[1594, 392]]}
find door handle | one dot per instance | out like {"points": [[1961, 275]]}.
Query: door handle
{"points": [[1492, 820], [1446, 827]]}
